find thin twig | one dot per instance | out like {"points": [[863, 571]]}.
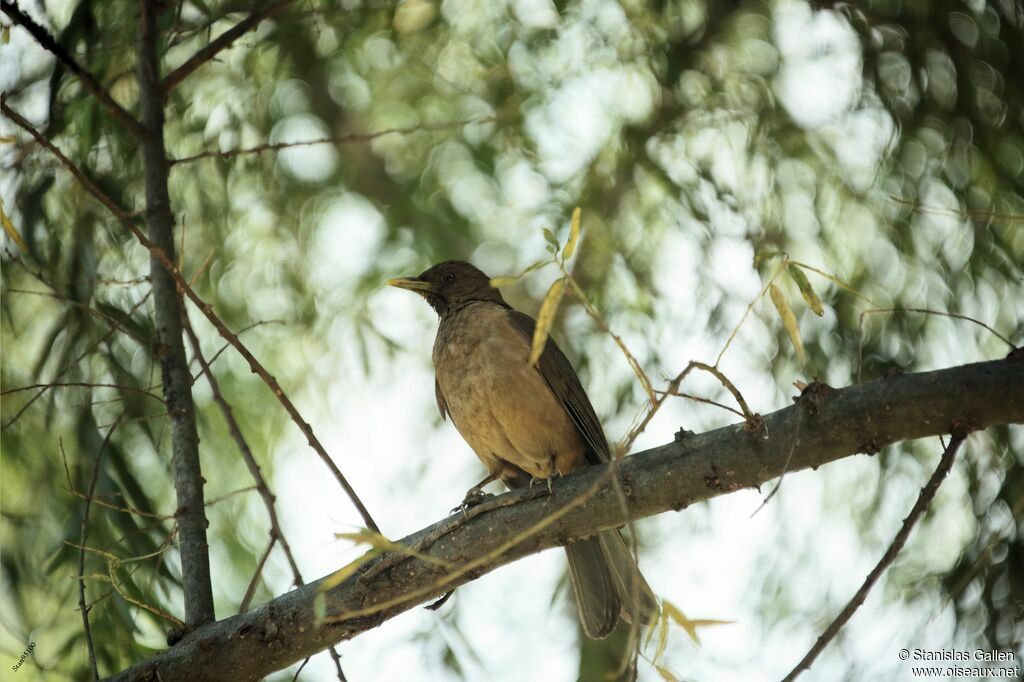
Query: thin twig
{"points": [[596, 316], [49, 43], [250, 590], [81, 384], [204, 307], [927, 493], [221, 42], [724, 380], [243, 447], [926, 311], [337, 139], [114, 328], [697, 398], [942, 210], [785, 469], [84, 535], [276, 532], [294, 679]]}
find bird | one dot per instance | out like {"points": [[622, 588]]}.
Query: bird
{"points": [[526, 422]]}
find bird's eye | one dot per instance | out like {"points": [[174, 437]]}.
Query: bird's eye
{"points": [[448, 277]]}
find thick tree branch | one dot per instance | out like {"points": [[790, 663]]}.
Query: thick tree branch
{"points": [[49, 43], [170, 349], [824, 425], [222, 41]]}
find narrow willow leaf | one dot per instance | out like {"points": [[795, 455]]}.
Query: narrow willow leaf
{"points": [[9, 228], [382, 544], [650, 631], [503, 281], [8, 139], [346, 571], [788, 321], [546, 318], [811, 298], [662, 637], [690, 626], [666, 674], [574, 235]]}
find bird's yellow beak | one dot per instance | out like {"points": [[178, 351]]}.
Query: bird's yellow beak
{"points": [[412, 284]]}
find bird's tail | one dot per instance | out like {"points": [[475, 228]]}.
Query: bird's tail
{"points": [[608, 583]]}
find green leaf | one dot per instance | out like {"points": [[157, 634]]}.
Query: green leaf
{"points": [[549, 236], [811, 298]]}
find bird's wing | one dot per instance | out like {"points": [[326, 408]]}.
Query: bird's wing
{"points": [[561, 378], [442, 406]]}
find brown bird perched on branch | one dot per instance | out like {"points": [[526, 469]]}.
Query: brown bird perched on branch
{"points": [[526, 422]]}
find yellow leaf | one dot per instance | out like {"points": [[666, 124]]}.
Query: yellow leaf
{"points": [[381, 544], [811, 298], [546, 318], [536, 266], [666, 674], [662, 637], [5, 35], [650, 631], [788, 321], [343, 573], [574, 235], [503, 281], [690, 626], [9, 228], [8, 139], [413, 15]]}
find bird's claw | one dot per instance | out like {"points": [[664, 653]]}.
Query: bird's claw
{"points": [[534, 479], [474, 497]]}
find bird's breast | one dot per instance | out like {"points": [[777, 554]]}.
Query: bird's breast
{"points": [[499, 403]]}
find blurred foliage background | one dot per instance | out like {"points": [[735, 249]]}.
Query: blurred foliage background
{"points": [[882, 142]]}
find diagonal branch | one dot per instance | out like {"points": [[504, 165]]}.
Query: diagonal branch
{"points": [[837, 424], [43, 37], [257, 368], [84, 535], [221, 42], [925, 497]]}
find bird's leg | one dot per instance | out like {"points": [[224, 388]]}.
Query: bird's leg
{"points": [[475, 495]]}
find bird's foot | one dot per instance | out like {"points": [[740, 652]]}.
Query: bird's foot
{"points": [[534, 479], [474, 497]]}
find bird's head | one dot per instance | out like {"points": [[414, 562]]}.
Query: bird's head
{"points": [[450, 285]]}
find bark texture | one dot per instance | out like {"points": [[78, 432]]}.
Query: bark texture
{"points": [[824, 425]]}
